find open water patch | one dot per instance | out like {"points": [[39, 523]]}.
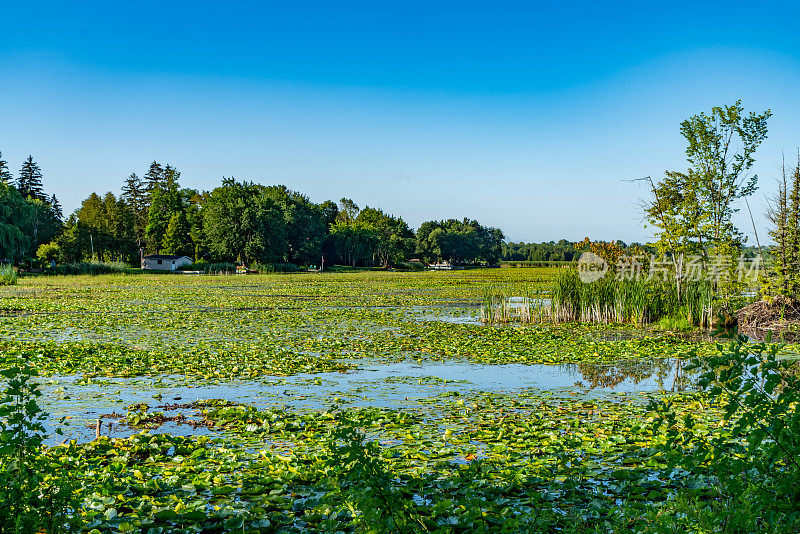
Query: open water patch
{"points": [[395, 385]]}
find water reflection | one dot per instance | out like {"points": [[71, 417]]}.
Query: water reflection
{"points": [[668, 374]]}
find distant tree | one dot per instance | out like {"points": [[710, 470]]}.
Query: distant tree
{"points": [[5, 175], [171, 176], [164, 203], [784, 214], [348, 211], [48, 252], [194, 202], [29, 181], [102, 228], [395, 241], [15, 217], [355, 242], [177, 239], [465, 241], [242, 223], [135, 195], [154, 177], [305, 226], [43, 225], [55, 206], [329, 213]]}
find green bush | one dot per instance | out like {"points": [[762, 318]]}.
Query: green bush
{"points": [[222, 267], [276, 268], [93, 268], [48, 252], [409, 266], [196, 266], [8, 275]]}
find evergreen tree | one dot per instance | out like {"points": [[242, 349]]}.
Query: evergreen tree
{"points": [[29, 181], [171, 177], [5, 174], [134, 193], [784, 278], [55, 206], [154, 177], [177, 239], [164, 204]]}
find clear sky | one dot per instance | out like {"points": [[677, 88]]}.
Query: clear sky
{"points": [[527, 116]]}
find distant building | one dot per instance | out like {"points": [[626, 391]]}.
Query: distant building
{"points": [[164, 262], [441, 266]]}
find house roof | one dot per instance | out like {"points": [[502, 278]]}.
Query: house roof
{"points": [[164, 257]]}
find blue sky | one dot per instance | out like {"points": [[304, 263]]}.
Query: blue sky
{"points": [[527, 116]]}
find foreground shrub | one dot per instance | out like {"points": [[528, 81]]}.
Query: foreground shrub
{"points": [[36, 492], [752, 461]]}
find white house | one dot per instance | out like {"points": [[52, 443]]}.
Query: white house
{"points": [[164, 262]]}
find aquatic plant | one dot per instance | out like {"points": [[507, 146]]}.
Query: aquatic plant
{"points": [[8, 275], [605, 301]]}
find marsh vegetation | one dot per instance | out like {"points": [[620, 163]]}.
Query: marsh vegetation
{"points": [[353, 402]]}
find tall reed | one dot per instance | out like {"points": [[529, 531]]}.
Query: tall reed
{"points": [[502, 305], [8, 275], [604, 301]]}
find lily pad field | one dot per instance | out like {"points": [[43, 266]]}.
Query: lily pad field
{"points": [[359, 401]]}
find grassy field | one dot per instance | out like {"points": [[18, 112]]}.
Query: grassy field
{"points": [[226, 401]]}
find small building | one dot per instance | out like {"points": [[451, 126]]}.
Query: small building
{"points": [[164, 262]]}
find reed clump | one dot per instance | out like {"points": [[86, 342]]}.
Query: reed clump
{"points": [[503, 305], [605, 301]]}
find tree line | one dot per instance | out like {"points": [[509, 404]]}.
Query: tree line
{"points": [[238, 221]]}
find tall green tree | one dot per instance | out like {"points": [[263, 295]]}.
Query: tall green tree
{"points": [[177, 239], [135, 194], [329, 213], [784, 216], [355, 242], [692, 210], [305, 224], [5, 175], [102, 228], [242, 223], [194, 203], [465, 241], [348, 211], [29, 180], [395, 241], [43, 225], [154, 177], [15, 218], [55, 206], [171, 176], [164, 203]]}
